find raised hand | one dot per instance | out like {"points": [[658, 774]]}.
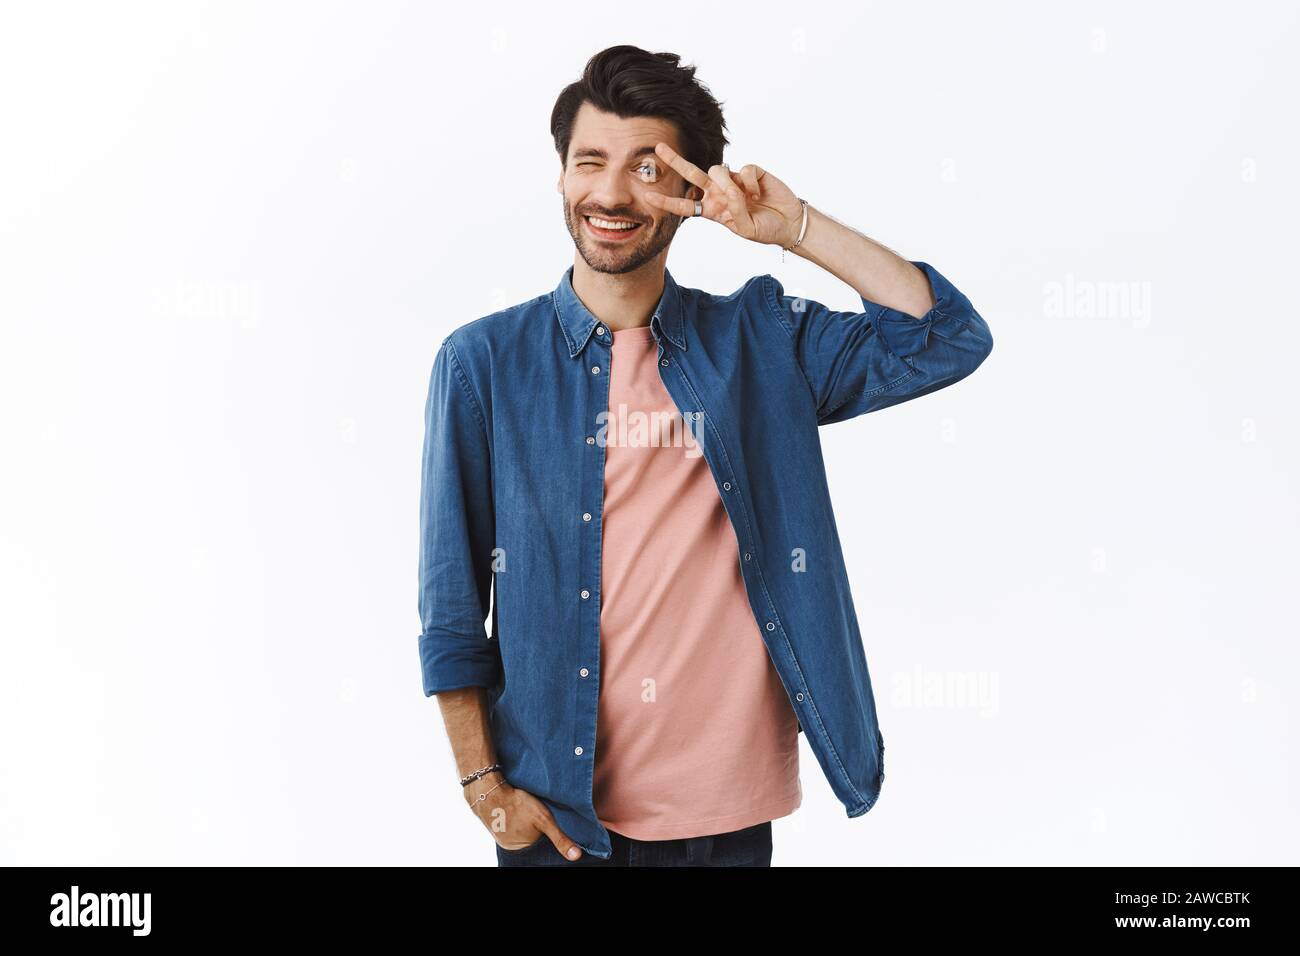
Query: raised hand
{"points": [[752, 203]]}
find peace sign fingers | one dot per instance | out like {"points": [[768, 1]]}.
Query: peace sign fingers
{"points": [[722, 200], [751, 202], [689, 171]]}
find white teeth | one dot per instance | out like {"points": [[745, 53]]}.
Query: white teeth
{"points": [[607, 224]]}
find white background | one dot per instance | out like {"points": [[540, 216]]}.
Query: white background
{"points": [[233, 235]]}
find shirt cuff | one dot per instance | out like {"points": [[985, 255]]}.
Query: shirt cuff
{"points": [[451, 661], [905, 334]]}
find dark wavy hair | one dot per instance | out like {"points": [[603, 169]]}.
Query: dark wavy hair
{"points": [[630, 82]]}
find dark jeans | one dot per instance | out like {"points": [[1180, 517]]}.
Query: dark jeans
{"points": [[751, 846]]}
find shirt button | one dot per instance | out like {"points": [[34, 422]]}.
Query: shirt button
{"points": [[746, 555], [726, 486], [799, 696], [584, 672], [578, 751], [595, 370], [771, 626], [585, 594], [586, 516], [600, 330], [663, 361], [591, 439]]}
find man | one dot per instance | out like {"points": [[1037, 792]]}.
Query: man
{"points": [[635, 466]]}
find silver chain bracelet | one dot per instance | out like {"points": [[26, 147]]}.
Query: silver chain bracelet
{"points": [[467, 780]]}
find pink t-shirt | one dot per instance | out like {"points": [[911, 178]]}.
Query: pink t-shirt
{"points": [[694, 733]]}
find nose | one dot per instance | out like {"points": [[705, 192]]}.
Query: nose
{"points": [[612, 190]]}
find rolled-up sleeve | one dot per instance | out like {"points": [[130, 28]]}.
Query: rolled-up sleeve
{"points": [[859, 362], [457, 530]]}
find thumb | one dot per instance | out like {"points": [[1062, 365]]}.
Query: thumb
{"points": [[568, 849]]}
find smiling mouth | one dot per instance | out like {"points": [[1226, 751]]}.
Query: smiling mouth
{"points": [[613, 230]]}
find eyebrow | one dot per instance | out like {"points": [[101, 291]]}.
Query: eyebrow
{"points": [[595, 151]]}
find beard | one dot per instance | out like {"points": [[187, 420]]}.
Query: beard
{"points": [[619, 258]]}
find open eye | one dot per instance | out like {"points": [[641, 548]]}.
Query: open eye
{"points": [[648, 170]]}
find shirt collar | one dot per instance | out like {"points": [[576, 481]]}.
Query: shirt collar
{"points": [[577, 322]]}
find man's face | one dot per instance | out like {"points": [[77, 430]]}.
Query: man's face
{"points": [[611, 163]]}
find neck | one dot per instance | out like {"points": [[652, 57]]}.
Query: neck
{"points": [[624, 300]]}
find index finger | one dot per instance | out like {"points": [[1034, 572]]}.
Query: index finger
{"points": [[690, 172]]}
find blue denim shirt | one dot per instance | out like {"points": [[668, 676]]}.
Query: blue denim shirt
{"points": [[513, 487]]}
